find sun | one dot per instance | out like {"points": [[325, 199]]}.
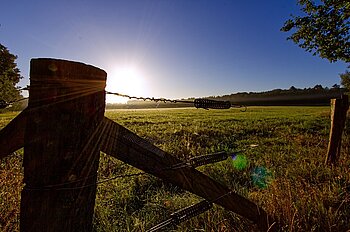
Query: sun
{"points": [[125, 79]]}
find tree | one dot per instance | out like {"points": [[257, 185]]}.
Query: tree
{"points": [[318, 87], [9, 76], [345, 79], [293, 89], [335, 86], [324, 30]]}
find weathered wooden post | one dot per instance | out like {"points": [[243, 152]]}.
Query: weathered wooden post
{"points": [[339, 108], [66, 106]]}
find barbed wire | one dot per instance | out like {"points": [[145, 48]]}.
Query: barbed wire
{"points": [[165, 100], [198, 102], [187, 213]]}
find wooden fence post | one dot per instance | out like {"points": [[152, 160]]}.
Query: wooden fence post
{"points": [[339, 108], [66, 105]]}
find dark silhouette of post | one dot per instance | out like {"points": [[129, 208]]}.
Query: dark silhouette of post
{"points": [[66, 106], [339, 108]]}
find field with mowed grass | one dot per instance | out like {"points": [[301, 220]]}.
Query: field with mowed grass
{"points": [[280, 167]]}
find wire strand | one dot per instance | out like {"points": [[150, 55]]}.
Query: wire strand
{"points": [[182, 164], [54, 186], [198, 102]]}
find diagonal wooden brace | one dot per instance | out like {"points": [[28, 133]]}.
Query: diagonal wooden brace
{"points": [[126, 146], [12, 136]]}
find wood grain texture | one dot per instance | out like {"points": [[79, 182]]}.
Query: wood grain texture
{"points": [[66, 104]]}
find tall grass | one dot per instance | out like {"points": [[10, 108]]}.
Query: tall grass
{"points": [[299, 190]]}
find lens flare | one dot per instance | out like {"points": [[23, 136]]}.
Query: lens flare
{"points": [[239, 161], [261, 177]]}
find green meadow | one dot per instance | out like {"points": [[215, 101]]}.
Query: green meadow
{"points": [[280, 167]]}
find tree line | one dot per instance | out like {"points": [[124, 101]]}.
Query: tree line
{"points": [[318, 95]]}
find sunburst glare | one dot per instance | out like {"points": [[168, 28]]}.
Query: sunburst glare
{"points": [[125, 79]]}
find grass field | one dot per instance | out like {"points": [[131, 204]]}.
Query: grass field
{"points": [[284, 147]]}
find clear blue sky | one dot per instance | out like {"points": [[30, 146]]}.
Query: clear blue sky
{"points": [[179, 49]]}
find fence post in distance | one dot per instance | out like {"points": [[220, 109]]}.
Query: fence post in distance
{"points": [[339, 108]]}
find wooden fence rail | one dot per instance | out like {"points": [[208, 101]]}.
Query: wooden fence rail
{"points": [[63, 131]]}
